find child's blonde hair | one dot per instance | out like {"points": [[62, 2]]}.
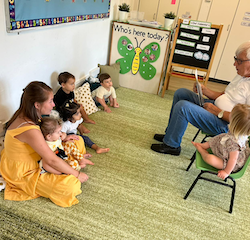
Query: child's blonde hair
{"points": [[240, 120]]}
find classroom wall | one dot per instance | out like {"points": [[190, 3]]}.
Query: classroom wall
{"points": [[41, 54]]}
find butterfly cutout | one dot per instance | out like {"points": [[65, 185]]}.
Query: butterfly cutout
{"points": [[137, 59]]}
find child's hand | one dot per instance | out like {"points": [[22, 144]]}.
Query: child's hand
{"points": [[71, 137], [107, 109], [222, 174], [116, 105]]}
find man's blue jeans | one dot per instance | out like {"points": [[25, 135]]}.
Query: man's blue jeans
{"points": [[186, 109]]}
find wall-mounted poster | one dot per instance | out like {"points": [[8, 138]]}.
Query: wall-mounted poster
{"points": [[23, 14], [141, 52]]}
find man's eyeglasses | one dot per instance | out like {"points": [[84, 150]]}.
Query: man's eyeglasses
{"points": [[239, 61]]}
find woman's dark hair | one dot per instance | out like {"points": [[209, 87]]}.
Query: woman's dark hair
{"points": [[34, 92], [68, 109]]}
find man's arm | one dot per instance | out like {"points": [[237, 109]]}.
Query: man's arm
{"points": [[215, 110], [208, 92], [209, 106]]}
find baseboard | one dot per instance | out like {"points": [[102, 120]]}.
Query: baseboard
{"points": [[218, 81]]}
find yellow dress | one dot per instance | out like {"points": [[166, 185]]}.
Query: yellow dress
{"points": [[20, 169]]}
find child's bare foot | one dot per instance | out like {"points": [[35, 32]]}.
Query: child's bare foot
{"points": [[83, 177], [85, 130], [89, 121], [198, 146], [107, 110], [102, 150], [84, 162], [194, 143], [87, 155]]}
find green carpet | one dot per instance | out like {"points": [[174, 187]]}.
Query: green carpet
{"points": [[133, 192]]}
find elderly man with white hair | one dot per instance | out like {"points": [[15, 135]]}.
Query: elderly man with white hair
{"points": [[213, 116]]}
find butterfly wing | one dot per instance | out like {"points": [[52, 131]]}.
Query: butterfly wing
{"points": [[126, 49], [149, 55]]}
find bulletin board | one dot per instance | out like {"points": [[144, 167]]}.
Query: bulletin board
{"points": [[24, 14], [141, 52], [194, 47]]}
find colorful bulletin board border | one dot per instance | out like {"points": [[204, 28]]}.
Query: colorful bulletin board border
{"points": [[14, 24]]}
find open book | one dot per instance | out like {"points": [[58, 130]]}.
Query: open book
{"points": [[199, 90]]}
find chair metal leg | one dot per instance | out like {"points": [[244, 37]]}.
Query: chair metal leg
{"points": [[214, 181], [196, 135], [192, 161], [204, 139], [192, 186], [232, 197]]}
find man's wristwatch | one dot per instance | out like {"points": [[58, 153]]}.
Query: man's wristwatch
{"points": [[220, 115]]}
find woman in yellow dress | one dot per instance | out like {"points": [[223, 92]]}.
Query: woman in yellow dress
{"points": [[25, 146]]}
